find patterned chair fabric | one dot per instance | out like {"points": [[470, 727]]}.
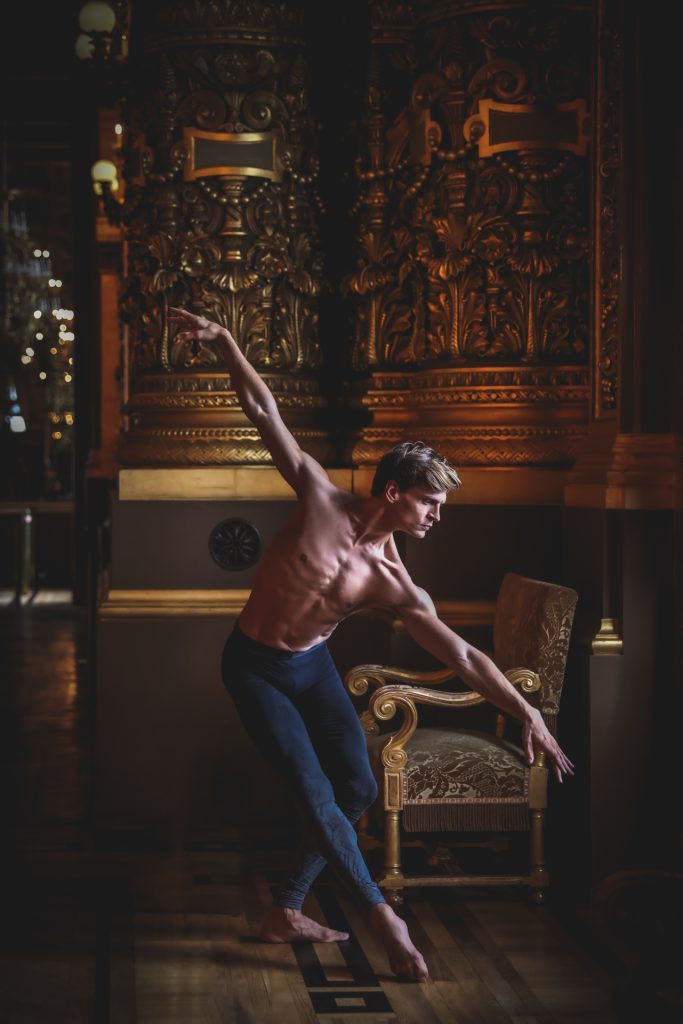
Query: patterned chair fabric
{"points": [[464, 781], [532, 626]]}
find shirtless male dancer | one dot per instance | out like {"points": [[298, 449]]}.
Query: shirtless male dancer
{"points": [[337, 553]]}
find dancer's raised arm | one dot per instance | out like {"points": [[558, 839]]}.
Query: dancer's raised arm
{"points": [[258, 404]]}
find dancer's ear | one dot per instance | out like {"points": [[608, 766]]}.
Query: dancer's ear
{"points": [[392, 492]]}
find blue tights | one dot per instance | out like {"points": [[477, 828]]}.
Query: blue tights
{"points": [[294, 707]]}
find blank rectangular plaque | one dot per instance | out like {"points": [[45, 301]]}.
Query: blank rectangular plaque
{"points": [[230, 154]]}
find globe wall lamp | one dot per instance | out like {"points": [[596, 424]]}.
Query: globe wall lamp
{"points": [[105, 183], [103, 31]]}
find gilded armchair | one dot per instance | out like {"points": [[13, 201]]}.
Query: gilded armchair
{"points": [[451, 779]]}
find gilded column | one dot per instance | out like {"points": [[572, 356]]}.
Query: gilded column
{"points": [[632, 455], [220, 218], [472, 288]]}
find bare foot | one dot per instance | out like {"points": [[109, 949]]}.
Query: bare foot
{"points": [[406, 961], [282, 924]]}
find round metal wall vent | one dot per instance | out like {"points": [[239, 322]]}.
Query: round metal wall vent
{"points": [[235, 544]]}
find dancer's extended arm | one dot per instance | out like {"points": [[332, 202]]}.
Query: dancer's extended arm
{"points": [[477, 670], [258, 404]]}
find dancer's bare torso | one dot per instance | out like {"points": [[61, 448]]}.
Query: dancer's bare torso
{"points": [[317, 571]]}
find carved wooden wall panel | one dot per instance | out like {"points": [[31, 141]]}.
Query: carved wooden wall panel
{"points": [[473, 275], [220, 217], [608, 209]]}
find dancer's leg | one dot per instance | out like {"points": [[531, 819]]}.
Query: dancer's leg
{"points": [[277, 728], [339, 742]]}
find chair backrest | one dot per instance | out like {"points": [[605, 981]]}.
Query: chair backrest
{"points": [[531, 629]]}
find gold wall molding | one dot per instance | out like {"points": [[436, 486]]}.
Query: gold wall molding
{"points": [[481, 485], [220, 216], [213, 483], [170, 603]]}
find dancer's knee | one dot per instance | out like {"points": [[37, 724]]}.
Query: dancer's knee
{"points": [[359, 794], [313, 789], [319, 800]]}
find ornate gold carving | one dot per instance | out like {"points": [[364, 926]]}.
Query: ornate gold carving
{"points": [[215, 238], [211, 445], [497, 448], [358, 679], [528, 681], [525, 415], [370, 726], [608, 162], [383, 700], [201, 382], [383, 704], [488, 384], [467, 258], [212, 401]]}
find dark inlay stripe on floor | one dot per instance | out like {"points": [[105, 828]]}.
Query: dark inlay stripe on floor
{"points": [[353, 954], [343, 1003], [339, 997], [311, 969]]}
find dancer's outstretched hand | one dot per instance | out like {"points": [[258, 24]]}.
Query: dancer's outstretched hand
{"points": [[535, 736], [189, 325]]}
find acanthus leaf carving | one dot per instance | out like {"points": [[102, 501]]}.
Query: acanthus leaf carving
{"points": [[500, 239], [234, 244]]}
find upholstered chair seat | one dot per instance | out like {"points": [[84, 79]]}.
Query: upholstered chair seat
{"points": [[460, 781]]}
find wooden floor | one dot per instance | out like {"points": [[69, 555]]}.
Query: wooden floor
{"points": [[101, 931]]}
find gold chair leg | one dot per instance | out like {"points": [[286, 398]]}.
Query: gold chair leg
{"points": [[392, 857], [539, 875]]}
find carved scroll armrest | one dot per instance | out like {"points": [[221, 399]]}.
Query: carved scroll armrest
{"points": [[358, 679], [385, 701]]}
